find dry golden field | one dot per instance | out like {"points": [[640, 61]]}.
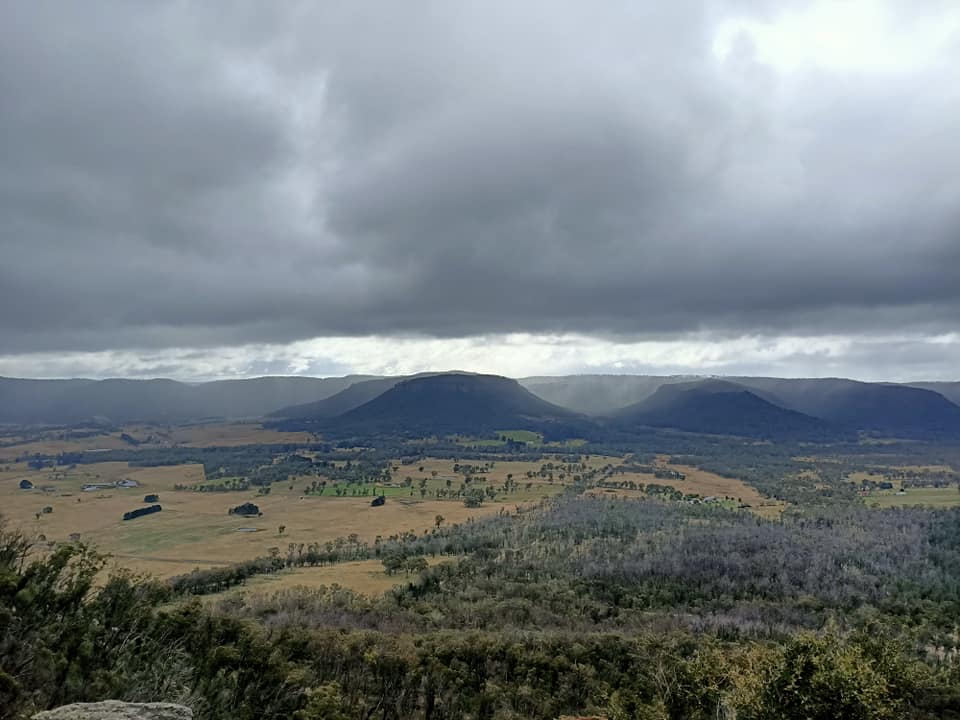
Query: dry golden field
{"points": [[194, 529], [706, 484], [366, 577], [54, 442]]}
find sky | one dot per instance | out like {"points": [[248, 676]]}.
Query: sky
{"points": [[209, 190]]}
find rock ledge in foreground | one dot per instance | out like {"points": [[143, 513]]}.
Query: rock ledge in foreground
{"points": [[116, 710]]}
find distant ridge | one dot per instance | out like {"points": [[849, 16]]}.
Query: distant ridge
{"points": [[924, 411], [950, 390], [896, 410], [159, 400], [721, 408], [919, 411]]}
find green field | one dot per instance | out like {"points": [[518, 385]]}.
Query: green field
{"points": [[933, 497], [533, 439]]}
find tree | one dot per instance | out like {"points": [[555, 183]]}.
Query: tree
{"points": [[392, 563], [438, 521], [415, 564], [824, 678], [281, 529], [324, 703]]}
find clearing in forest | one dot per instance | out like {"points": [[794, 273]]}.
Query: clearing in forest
{"points": [[366, 577], [942, 497], [707, 484]]}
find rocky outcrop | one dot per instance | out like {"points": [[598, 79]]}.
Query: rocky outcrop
{"points": [[116, 710]]}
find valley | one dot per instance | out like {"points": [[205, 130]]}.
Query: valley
{"points": [[451, 512]]}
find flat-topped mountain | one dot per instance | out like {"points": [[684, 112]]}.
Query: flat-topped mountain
{"points": [[719, 407], [908, 410], [457, 402], [897, 410]]}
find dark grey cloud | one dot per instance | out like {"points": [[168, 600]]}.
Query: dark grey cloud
{"points": [[175, 175]]}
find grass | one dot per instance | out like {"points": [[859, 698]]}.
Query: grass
{"points": [[708, 484], [362, 576], [870, 476], [527, 436], [194, 529], [436, 472], [58, 441], [932, 497]]}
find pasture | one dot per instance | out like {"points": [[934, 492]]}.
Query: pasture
{"points": [[944, 497], [527, 480], [707, 484], [194, 529], [54, 442], [366, 577]]}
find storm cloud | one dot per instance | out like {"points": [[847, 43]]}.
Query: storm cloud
{"points": [[207, 175]]}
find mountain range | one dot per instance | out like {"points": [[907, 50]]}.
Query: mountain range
{"points": [[431, 403], [166, 401]]}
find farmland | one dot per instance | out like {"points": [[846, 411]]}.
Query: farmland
{"points": [[694, 481], [194, 528], [930, 497], [674, 537]]}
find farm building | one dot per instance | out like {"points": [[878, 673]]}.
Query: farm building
{"points": [[128, 483], [140, 512], [26, 485], [247, 509], [93, 487]]}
